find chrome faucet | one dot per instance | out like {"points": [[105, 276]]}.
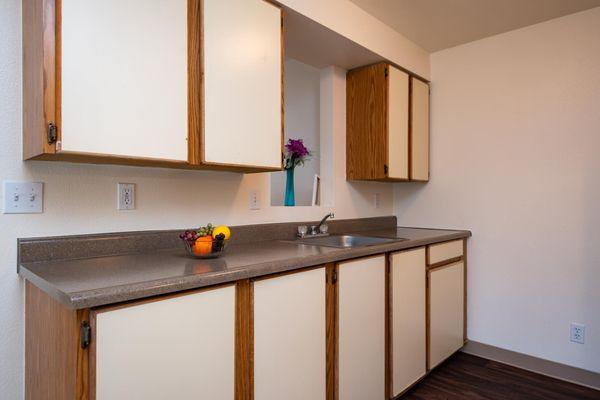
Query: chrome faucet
{"points": [[316, 229]]}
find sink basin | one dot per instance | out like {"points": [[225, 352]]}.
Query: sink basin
{"points": [[344, 241]]}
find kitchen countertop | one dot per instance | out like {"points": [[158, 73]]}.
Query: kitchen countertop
{"points": [[92, 282]]}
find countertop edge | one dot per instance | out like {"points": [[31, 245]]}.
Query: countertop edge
{"points": [[113, 295]]}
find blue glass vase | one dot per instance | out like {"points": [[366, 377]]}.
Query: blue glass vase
{"points": [[289, 188]]}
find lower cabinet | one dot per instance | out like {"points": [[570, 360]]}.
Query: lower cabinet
{"points": [[446, 311], [408, 318], [289, 336], [175, 348], [361, 329]]}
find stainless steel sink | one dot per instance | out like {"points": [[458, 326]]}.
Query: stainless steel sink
{"points": [[344, 241]]}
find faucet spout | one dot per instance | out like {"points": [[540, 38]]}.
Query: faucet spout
{"points": [[318, 227]]}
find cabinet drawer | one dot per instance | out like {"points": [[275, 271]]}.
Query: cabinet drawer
{"points": [[444, 251]]}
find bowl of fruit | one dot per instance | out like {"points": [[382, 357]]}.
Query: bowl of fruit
{"points": [[206, 242]]}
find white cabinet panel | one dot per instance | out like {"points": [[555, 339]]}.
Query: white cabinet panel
{"points": [[361, 319], [398, 123], [446, 311], [408, 318], [124, 78], [242, 72], [420, 130], [179, 348], [289, 337]]}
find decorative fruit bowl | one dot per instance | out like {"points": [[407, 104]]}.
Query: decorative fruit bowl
{"points": [[206, 242]]}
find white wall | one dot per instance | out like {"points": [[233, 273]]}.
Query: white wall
{"points": [[302, 121], [81, 198], [515, 157]]}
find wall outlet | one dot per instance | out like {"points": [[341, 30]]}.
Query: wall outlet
{"points": [[254, 200], [376, 200], [577, 333], [126, 196], [23, 197]]}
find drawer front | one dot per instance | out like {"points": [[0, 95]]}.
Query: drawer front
{"points": [[441, 252]]}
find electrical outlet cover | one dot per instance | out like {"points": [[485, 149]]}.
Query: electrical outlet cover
{"points": [[254, 200], [577, 333], [126, 196]]}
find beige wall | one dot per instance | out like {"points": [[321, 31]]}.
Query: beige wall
{"points": [[515, 157], [82, 198]]}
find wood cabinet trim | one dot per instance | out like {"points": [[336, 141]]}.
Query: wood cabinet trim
{"points": [[195, 33], [40, 41], [444, 263], [243, 339], [55, 364], [331, 315]]}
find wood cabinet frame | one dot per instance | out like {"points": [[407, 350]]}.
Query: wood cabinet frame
{"points": [[42, 92], [367, 123]]}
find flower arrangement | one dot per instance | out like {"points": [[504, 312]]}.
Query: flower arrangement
{"points": [[295, 154]]}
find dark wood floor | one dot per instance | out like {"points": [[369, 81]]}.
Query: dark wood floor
{"points": [[468, 377]]}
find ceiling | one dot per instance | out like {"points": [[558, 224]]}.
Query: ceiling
{"points": [[439, 24]]}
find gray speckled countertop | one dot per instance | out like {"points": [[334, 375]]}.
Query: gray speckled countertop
{"points": [[92, 282]]}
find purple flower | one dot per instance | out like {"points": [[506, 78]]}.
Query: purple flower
{"points": [[295, 153], [296, 148]]}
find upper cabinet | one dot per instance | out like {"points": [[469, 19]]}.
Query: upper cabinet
{"points": [[387, 113], [180, 83]]}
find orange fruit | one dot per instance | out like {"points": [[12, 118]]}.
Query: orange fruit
{"points": [[202, 246]]}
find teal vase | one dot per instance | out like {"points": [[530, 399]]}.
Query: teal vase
{"points": [[290, 200]]}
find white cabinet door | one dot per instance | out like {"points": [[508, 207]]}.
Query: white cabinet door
{"points": [[361, 325], [446, 311], [124, 78], [289, 336], [179, 348], [408, 318], [242, 83], [420, 130], [398, 123]]}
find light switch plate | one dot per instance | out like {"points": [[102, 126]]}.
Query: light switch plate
{"points": [[23, 197], [126, 196]]}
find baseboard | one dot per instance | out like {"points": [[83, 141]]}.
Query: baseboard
{"points": [[549, 368]]}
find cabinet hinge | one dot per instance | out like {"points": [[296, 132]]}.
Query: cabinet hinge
{"points": [[333, 277], [386, 72], [385, 169], [52, 133], [85, 334]]}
